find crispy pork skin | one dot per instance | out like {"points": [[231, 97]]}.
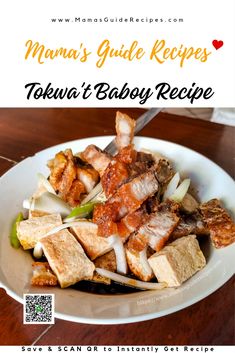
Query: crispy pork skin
{"points": [[97, 158], [124, 167], [190, 224], [125, 128], [219, 223], [128, 198], [88, 176], [70, 179], [155, 232]]}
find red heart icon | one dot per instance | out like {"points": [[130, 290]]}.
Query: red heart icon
{"points": [[217, 44]]}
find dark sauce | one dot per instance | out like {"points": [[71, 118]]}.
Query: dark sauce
{"points": [[205, 246], [100, 288], [120, 289]]}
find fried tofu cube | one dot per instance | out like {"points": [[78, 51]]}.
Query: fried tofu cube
{"points": [[67, 258], [178, 261], [30, 231], [108, 262], [87, 235]]}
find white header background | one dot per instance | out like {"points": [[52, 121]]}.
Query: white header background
{"points": [[204, 21]]}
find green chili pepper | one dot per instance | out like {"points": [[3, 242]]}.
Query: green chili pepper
{"points": [[13, 236], [82, 211]]}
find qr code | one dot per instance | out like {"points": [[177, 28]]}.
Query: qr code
{"points": [[38, 308]]}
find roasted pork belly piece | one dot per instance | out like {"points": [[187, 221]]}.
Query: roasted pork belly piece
{"points": [[67, 258], [219, 223], [31, 231], [42, 275], [178, 261], [125, 128], [128, 198], [104, 215], [116, 174], [190, 224], [68, 176], [169, 205], [138, 264], [64, 178], [87, 235], [152, 204], [131, 222], [155, 232], [57, 166], [97, 158], [75, 192], [164, 171], [88, 176], [145, 157], [127, 155], [124, 167]]}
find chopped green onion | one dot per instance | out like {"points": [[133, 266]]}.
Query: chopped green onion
{"points": [[13, 236], [172, 186], [82, 211], [116, 243]]}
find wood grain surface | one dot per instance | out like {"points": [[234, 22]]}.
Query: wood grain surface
{"points": [[23, 132]]}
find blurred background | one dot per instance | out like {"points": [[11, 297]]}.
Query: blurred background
{"points": [[217, 115]]}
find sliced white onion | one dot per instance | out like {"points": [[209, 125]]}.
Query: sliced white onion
{"points": [[181, 191], [144, 261], [27, 204], [67, 225], [129, 281], [51, 203], [100, 197], [48, 203], [93, 194], [116, 243], [37, 251], [171, 187], [43, 181]]}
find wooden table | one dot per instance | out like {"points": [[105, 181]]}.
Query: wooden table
{"points": [[208, 322]]}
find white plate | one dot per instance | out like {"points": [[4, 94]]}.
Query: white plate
{"points": [[15, 265]]}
